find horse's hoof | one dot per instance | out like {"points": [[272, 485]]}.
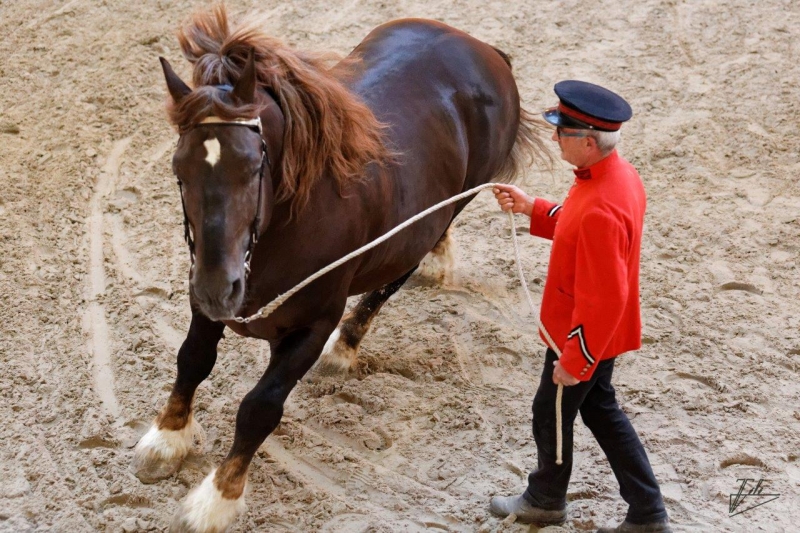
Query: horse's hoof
{"points": [[324, 369], [337, 358], [150, 468], [180, 524], [160, 452], [205, 510]]}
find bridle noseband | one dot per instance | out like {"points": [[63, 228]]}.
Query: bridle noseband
{"points": [[254, 123]]}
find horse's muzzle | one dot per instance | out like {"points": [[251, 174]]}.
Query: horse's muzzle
{"points": [[218, 293]]}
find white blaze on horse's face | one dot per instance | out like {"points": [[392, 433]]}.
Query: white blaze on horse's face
{"points": [[213, 150]]}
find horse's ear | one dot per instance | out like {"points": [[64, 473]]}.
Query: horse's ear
{"points": [[176, 87], [245, 89]]}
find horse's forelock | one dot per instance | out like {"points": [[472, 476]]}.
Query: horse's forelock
{"points": [[213, 69]]}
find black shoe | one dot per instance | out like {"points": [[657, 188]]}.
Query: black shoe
{"points": [[662, 526], [524, 511]]}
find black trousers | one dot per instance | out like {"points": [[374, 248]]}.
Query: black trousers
{"points": [[547, 485]]}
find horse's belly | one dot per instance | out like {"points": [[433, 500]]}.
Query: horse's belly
{"points": [[390, 271], [377, 279]]}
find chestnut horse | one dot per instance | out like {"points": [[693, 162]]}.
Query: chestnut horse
{"points": [[286, 165]]}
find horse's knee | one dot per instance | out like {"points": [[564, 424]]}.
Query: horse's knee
{"points": [[259, 413], [195, 362], [198, 353], [211, 507], [159, 452]]}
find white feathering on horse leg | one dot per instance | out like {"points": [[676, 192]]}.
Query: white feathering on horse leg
{"points": [[159, 452], [167, 443], [438, 265], [206, 510], [337, 354]]}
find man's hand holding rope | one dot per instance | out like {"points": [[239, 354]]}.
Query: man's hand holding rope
{"points": [[562, 377]]}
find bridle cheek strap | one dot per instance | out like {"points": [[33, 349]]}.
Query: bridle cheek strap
{"points": [[257, 219], [187, 234]]}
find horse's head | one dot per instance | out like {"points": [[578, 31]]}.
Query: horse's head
{"points": [[316, 130], [223, 170]]}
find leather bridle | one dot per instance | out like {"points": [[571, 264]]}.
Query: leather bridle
{"points": [[254, 123]]}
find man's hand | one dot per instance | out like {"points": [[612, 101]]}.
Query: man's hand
{"points": [[562, 377], [513, 199]]}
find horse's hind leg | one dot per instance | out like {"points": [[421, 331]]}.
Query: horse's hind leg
{"points": [[341, 350], [161, 450], [438, 264]]}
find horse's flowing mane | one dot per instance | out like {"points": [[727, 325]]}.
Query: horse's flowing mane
{"points": [[327, 130]]}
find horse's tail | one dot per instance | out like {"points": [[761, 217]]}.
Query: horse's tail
{"points": [[530, 144], [505, 57]]}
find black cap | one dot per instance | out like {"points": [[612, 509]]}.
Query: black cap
{"points": [[584, 105]]}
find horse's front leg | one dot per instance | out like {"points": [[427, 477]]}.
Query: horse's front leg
{"points": [[214, 505], [161, 450]]}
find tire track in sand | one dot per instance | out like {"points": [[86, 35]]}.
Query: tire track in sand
{"points": [[95, 318]]}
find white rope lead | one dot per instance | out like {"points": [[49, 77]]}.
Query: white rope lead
{"points": [[277, 302], [553, 345]]}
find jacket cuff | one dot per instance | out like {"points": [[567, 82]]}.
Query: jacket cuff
{"points": [[573, 360], [543, 218]]}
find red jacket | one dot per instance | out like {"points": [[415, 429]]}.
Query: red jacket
{"points": [[590, 305]]}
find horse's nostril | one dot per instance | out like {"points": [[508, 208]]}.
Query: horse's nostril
{"points": [[236, 287]]}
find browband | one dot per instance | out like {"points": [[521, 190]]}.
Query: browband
{"points": [[253, 122]]}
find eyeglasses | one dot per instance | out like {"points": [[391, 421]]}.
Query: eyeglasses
{"points": [[561, 133]]}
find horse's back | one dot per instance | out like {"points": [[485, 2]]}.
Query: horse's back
{"points": [[409, 56], [451, 107], [447, 97]]}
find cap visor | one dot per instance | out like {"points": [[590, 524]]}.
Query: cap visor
{"points": [[552, 116], [556, 118]]}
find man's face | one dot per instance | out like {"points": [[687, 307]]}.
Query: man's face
{"points": [[575, 145]]}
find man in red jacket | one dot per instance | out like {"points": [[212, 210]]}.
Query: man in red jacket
{"points": [[590, 309]]}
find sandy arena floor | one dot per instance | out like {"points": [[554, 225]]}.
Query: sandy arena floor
{"points": [[437, 419]]}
